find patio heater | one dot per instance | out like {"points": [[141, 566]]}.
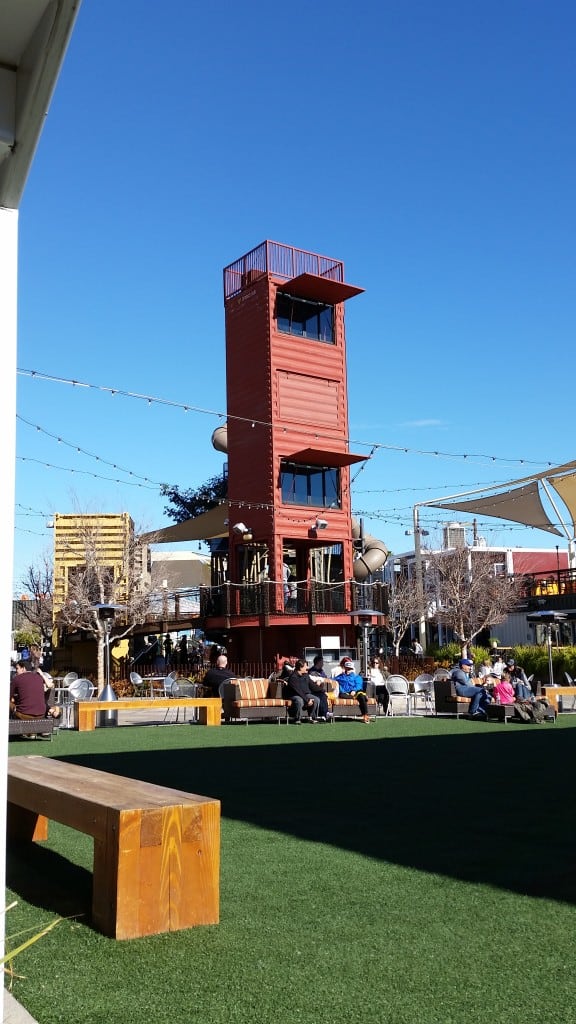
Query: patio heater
{"points": [[106, 614], [548, 619], [363, 617]]}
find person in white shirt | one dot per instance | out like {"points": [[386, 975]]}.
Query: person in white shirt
{"points": [[377, 679], [498, 666], [485, 669]]}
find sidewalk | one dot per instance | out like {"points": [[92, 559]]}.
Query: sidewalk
{"points": [[13, 1012]]}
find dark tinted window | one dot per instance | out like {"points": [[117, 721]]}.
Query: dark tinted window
{"points": [[305, 319], [318, 486]]}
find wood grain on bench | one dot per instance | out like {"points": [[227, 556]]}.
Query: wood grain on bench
{"points": [[85, 711], [156, 849]]}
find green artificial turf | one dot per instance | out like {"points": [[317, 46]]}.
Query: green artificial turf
{"points": [[417, 871]]}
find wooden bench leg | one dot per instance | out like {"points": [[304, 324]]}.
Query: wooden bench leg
{"points": [[209, 716], [25, 825], [158, 870], [84, 718]]}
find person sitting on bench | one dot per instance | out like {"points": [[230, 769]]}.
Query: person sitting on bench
{"points": [[479, 698], [298, 691], [27, 695], [352, 685], [318, 685], [503, 691]]}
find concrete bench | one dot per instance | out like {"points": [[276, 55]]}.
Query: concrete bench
{"points": [[156, 850], [85, 711], [32, 727]]}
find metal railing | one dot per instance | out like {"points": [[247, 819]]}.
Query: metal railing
{"points": [[284, 261], [300, 598]]}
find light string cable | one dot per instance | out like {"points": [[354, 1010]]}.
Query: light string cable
{"points": [[83, 451], [148, 485], [305, 431], [391, 515]]}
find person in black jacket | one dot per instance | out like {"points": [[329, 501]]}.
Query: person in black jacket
{"points": [[318, 684], [298, 691], [218, 674]]}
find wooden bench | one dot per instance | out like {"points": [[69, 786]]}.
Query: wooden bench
{"points": [[31, 726], [156, 850], [501, 713], [561, 698], [85, 711]]}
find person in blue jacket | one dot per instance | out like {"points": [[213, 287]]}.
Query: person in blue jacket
{"points": [[352, 685], [479, 697]]}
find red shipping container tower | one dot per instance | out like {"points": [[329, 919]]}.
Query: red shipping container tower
{"points": [[290, 559]]}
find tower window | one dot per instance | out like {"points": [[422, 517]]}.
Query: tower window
{"points": [[318, 486], [305, 319]]}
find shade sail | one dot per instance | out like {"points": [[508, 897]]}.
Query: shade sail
{"points": [[566, 487], [520, 505], [205, 527]]}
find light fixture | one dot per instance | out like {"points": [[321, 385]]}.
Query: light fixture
{"points": [[244, 531], [321, 524]]}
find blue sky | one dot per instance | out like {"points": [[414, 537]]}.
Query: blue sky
{"points": [[431, 147]]}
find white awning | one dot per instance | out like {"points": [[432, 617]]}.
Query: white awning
{"points": [[520, 505], [565, 486]]}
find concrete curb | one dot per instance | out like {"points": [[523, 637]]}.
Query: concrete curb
{"points": [[14, 1013]]}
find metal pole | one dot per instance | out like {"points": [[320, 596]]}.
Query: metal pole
{"points": [[550, 662], [419, 581], [107, 627], [364, 650]]}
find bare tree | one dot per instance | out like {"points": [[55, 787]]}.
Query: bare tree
{"points": [[403, 608], [94, 580], [465, 594], [37, 583]]}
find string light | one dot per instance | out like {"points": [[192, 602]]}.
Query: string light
{"points": [[85, 472], [374, 445], [83, 451]]}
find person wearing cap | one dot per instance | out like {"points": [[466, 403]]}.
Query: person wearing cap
{"points": [[352, 685], [520, 682], [517, 673], [479, 697]]}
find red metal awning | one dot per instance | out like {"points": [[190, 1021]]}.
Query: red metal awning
{"points": [[321, 457], [320, 289]]}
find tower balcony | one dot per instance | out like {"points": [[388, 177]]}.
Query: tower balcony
{"points": [[287, 601]]}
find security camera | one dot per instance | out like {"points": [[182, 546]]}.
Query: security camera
{"points": [[321, 524], [240, 528]]}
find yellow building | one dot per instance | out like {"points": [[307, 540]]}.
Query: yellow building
{"points": [[101, 548]]}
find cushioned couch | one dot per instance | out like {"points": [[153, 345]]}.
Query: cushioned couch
{"points": [[248, 700], [447, 701], [348, 707]]}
